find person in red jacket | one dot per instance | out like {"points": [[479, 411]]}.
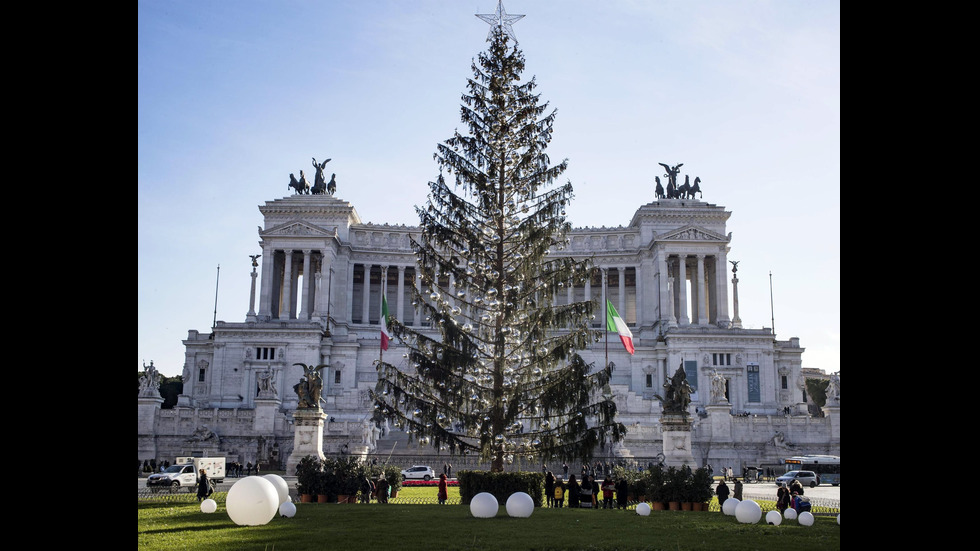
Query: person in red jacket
{"points": [[443, 489], [608, 487]]}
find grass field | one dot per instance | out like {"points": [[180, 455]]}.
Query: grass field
{"points": [[169, 525]]}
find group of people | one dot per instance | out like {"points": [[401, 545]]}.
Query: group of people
{"points": [[236, 469], [378, 489], [786, 497], [588, 494]]}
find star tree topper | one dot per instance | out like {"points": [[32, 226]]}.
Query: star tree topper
{"points": [[501, 19]]}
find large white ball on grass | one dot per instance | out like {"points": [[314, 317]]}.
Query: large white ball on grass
{"points": [[282, 488], [643, 509], [209, 506], [748, 512], [790, 514], [806, 518], [838, 519], [729, 507], [520, 505], [287, 509], [252, 501], [484, 505], [774, 518]]}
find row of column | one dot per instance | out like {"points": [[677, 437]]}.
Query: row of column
{"points": [[281, 298]]}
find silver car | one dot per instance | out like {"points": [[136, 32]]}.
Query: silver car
{"points": [[806, 478]]}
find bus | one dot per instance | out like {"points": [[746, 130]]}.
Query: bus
{"points": [[827, 467]]}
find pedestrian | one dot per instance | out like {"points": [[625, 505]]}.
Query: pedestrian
{"points": [[559, 493], [443, 490], [572, 489], [564, 468], [449, 470], [367, 487], [722, 492], [248, 469], [738, 489], [203, 486], [549, 488], [782, 499], [585, 493], [608, 487], [382, 487], [622, 492], [797, 487], [595, 492], [445, 469]]}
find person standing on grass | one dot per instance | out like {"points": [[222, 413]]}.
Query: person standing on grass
{"points": [[443, 489], [549, 488], [572, 489], [722, 492], [382, 490], [622, 492], [203, 486], [559, 493], [607, 493], [738, 489]]}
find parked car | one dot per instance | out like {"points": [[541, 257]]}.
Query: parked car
{"points": [[419, 471], [806, 478]]}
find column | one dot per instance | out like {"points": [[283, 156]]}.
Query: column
{"points": [[349, 308], [721, 286], [366, 302], [666, 313], [307, 281], [622, 292], [682, 318], [702, 293], [418, 288], [399, 308], [265, 295], [251, 297], [286, 302]]}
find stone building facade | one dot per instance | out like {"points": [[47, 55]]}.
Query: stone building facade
{"points": [[316, 299]]}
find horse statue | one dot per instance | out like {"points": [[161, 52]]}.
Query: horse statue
{"points": [[684, 190], [319, 183], [301, 186], [660, 188], [696, 188], [332, 184]]}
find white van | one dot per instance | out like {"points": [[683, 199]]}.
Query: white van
{"points": [[184, 475]]}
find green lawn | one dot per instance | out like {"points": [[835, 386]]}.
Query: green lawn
{"points": [[170, 525]]}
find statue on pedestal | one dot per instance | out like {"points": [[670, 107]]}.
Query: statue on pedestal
{"points": [[833, 389], [718, 388], [319, 182], [677, 393], [309, 388], [267, 384], [150, 381]]}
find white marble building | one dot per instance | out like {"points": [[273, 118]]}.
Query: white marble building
{"points": [[316, 300]]}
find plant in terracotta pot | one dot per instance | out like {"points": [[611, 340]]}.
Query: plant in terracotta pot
{"points": [[393, 475], [655, 487], [673, 488], [686, 483], [346, 471], [701, 488], [307, 475]]}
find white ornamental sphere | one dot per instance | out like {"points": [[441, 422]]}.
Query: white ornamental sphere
{"points": [[520, 505], [748, 512], [484, 505], [729, 507], [806, 518], [282, 488], [643, 509], [209, 506], [838, 519], [287, 509], [790, 514], [774, 518], [252, 501]]}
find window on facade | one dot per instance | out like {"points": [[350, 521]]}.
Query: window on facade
{"points": [[785, 383], [200, 375], [265, 353], [649, 380], [721, 359], [755, 388], [336, 377]]}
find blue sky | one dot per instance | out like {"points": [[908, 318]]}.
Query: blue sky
{"points": [[233, 96]]}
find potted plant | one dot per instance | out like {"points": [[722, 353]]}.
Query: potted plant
{"points": [[686, 482], [392, 475], [701, 488], [655, 487], [673, 486], [307, 474], [345, 471]]}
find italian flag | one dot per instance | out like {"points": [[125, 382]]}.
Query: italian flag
{"points": [[616, 323], [385, 335]]}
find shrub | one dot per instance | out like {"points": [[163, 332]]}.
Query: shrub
{"points": [[501, 485]]}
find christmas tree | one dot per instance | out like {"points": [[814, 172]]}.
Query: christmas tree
{"points": [[497, 372]]}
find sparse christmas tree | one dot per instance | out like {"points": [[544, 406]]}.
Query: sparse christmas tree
{"points": [[497, 371]]}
